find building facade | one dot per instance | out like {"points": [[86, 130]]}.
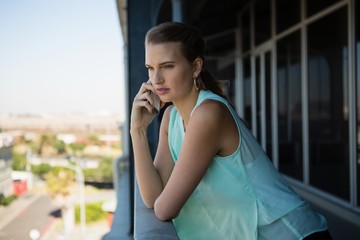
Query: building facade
{"points": [[6, 183], [294, 73]]}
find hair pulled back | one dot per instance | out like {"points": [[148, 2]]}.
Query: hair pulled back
{"points": [[192, 46]]}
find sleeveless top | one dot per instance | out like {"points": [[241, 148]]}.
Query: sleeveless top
{"points": [[241, 196]]}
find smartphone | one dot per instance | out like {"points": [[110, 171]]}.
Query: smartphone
{"points": [[156, 101]]}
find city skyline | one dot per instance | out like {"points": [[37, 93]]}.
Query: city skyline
{"points": [[60, 57]]}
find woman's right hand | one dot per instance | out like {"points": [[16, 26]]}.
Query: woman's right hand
{"points": [[146, 105]]}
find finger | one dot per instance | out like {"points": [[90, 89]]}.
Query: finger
{"points": [[145, 100], [146, 86], [143, 103], [144, 94]]}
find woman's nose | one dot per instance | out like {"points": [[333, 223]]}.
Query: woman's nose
{"points": [[157, 78]]}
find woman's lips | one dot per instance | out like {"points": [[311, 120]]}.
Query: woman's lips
{"points": [[161, 91]]}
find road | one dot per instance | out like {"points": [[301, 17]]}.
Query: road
{"points": [[32, 214]]}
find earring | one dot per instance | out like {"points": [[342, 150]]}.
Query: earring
{"points": [[196, 84]]}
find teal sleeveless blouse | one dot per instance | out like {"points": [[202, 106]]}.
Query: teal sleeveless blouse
{"points": [[242, 196]]}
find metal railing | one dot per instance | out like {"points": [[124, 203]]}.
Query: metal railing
{"points": [[147, 226], [132, 219], [121, 228]]}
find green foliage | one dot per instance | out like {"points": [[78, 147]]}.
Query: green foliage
{"points": [[18, 161], [5, 201], [106, 170], [59, 145], [44, 141], [41, 170], [59, 181], [93, 212], [89, 174], [77, 148], [104, 173], [34, 146], [94, 139]]}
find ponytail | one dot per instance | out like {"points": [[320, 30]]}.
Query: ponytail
{"points": [[207, 81]]}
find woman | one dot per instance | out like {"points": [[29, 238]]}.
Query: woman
{"points": [[209, 175]]}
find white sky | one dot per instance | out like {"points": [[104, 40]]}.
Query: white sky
{"points": [[60, 57]]}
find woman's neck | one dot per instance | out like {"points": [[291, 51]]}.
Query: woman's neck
{"points": [[186, 105]]}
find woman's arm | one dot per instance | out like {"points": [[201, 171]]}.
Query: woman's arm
{"points": [[152, 176], [206, 131]]}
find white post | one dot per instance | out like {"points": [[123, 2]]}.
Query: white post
{"points": [[81, 183]]}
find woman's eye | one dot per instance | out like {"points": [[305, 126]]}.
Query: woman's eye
{"points": [[168, 66]]}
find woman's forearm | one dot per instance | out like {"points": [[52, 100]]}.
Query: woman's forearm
{"points": [[148, 179]]}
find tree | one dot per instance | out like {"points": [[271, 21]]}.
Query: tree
{"points": [[59, 181], [106, 170], [41, 170], [77, 148], [59, 145], [18, 161]]}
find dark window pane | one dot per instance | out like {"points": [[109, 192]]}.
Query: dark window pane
{"points": [[226, 76], [328, 93], [357, 26], [268, 101], [314, 6], [247, 91], [287, 14], [289, 106], [258, 97], [245, 31], [262, 21]]}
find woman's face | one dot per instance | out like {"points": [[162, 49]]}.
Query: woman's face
{"points": [[169, 71]]}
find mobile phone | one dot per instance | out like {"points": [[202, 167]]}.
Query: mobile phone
{"points": [[156, 101]]}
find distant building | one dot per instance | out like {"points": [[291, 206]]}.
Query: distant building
{"points": [[67, 138], [5, 172], [6, 139]]}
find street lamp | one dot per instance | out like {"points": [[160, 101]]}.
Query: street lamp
{"points": [[81, 183]]}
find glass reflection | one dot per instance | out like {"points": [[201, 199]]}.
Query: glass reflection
{"points": [[327, 94], [287, 14], [262, 21], [247, 91], [290, 106], [258, 97], [268, 101], [245, 31], [313, 7]]}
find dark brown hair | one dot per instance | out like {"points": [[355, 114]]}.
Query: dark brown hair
{"points": [[192, 46]]}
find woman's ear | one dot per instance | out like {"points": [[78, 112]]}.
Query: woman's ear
{"points": [[197, 67]]}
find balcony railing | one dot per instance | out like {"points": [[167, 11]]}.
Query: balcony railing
{"points": [[132, 219]]}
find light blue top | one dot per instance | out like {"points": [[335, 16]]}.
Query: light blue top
{"points": [[241, 196]]}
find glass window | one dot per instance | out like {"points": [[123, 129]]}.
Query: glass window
{"points": [[262, 21], [327, 96], [268, 101], [245, 31], [357, 34], [258, 97], [247, 90], [287, 14], [226, 76], [313, 7], [289, 105]]}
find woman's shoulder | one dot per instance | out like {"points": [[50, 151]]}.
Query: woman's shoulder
{"points": [[210, 109]]}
